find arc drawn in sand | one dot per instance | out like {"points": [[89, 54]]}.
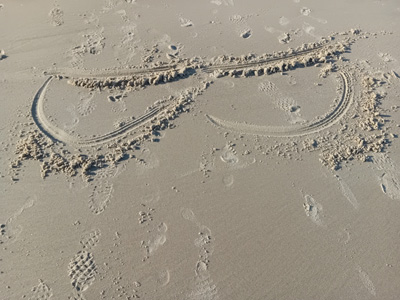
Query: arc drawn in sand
{"points": [[296, 130], [162, 74], [58, 134]]}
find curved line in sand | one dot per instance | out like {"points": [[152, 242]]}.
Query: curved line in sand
{"points": [[56, 134], [286, 131]]}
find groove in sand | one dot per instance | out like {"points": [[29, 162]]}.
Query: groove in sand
{"points": [[298, 130]]}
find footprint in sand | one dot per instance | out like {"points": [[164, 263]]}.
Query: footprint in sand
{"points": [[305, 11], [163, 278], [313, 210], [283, 21], [286, 104], [346, 191], [100, 197], [185, 22], [389, 179], [93, 45], [9, 231], [86, 104], [57, 16], [229, 156], [40, 292], [367, 282], [242, 28], [156, 241], [223, 2], [228, 180], [90, 239], [204, 286], [82, 271]]}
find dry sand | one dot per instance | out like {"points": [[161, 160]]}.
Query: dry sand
{"points": [[207, 150]]}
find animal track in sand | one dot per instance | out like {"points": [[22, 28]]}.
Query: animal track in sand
{"points": [[40, 292]]}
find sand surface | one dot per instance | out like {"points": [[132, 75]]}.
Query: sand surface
{"points": [[201, 150]]}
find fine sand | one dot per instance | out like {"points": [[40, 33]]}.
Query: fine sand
{"points": [[199, 150]]}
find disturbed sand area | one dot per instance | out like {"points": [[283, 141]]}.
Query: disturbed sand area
{"points": [[199, 150]]}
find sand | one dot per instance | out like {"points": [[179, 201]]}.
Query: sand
{"points": [[199, 150]]}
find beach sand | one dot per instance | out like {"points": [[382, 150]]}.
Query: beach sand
{"points": [[207, 150]]}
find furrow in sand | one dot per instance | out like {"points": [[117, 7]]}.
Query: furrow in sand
{"points": [[286, 131], [93, 74], [56, 134]]}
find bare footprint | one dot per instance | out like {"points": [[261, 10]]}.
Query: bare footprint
{"points": [[163, 278], [390, 179], [9, 231], [313, 210], [156, 241], [228, 180], [367, 282], [228, 156]]}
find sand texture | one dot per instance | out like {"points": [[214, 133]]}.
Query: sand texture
{"points": [[199, 150]]}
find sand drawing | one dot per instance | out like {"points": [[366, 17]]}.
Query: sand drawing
{"points": [[129, 133]]}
